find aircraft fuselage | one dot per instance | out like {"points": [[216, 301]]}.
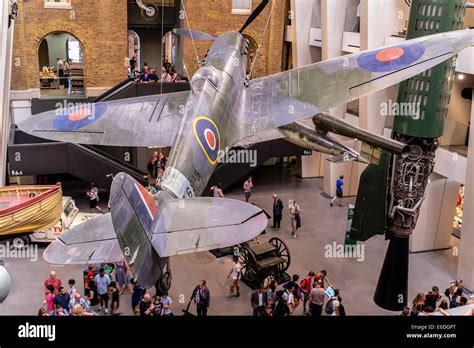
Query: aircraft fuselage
{"points": [[211, 117]]}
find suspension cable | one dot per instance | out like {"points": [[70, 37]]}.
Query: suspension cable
{"points": [[252, 65], [162, 55], [190, 33]]}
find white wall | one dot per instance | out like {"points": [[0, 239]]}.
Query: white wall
{"points": [[435, 223]]}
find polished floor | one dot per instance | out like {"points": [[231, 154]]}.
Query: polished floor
{"points": [[321, 226]]}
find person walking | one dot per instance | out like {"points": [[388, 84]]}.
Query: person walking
{"points": [[277, 211], [259, 300], [137, 294], [114, 294], [102, 282], [294, 216], [339, 192], [93, 194], [235, 274], [121, 274], [202, 298], [248, 186]]}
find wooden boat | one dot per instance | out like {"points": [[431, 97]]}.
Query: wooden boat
{"points": [[25, 209]]}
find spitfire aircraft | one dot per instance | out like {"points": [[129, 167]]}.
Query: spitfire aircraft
{"points": [[225, 108]]}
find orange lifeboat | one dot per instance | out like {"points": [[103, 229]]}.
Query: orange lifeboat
{"points": [[25, 209]]}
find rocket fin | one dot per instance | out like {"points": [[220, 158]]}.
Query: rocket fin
{"points": [[370, 214]]}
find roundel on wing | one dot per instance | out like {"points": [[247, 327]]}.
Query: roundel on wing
{"points": [[208, 137], [392, 58], [79, 116]]}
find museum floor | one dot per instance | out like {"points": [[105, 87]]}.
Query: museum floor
{"points": [[322, 225]]}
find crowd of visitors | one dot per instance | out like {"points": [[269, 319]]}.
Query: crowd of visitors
{"points": [[155, 171], [103, 291], [432, 301], [272, 300], [147, 74]]}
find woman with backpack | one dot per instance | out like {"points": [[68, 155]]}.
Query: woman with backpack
{"points": [[456, 298], [418, 303], [334, 305]]}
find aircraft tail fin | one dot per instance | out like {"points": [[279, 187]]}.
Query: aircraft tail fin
{"points": [[133, 211], [150, 230]]}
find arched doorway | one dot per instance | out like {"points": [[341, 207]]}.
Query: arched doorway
{"points": [[134, 50], [61, 65]]}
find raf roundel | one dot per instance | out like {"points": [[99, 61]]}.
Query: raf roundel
{"points": [[208, 137], [79, 117], [392, 58]]}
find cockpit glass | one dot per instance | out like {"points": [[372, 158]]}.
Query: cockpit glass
{"points": [[205, 74]]}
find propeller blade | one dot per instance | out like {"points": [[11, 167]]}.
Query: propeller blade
{"points": [[254, 14], [195, 34]]}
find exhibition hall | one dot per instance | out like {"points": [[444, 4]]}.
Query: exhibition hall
{"points": [[236, 158]]}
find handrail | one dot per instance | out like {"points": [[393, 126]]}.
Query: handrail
{"points": [[114, 90]]}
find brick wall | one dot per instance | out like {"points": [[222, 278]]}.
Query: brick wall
{"points": [[215, 17], [100, 25]]}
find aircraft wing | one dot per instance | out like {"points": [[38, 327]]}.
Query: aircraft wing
{"points": [[289, 96], [93, 241], [143, 121], [220, 223]]}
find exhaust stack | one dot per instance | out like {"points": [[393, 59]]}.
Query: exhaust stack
{"points": [[327, 123]]}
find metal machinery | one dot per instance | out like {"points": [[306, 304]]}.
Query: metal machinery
{"points": [[260, 260], [394, 211]]}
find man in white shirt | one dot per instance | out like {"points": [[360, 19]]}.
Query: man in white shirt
{"points": [[102, 281], [235, 274]]}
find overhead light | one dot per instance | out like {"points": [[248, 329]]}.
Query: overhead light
{"points": [[461, 76]]}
